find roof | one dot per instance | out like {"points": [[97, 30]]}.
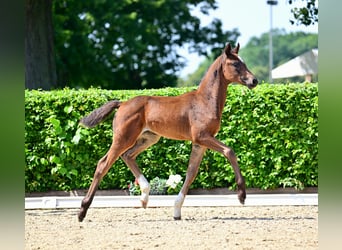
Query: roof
{"points": [[304, 64]]}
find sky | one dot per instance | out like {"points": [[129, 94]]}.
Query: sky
{"points": [[251, 18]]}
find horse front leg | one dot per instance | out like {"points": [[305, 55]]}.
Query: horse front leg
{"points": [[196, 156], [214, 144]]}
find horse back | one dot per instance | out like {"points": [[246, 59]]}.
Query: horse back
{"points": [[163, 115]]}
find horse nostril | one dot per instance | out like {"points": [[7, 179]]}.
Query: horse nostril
{"points": [[255, 81]]}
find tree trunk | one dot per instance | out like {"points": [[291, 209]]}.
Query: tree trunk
{"points": [[40, 63]]}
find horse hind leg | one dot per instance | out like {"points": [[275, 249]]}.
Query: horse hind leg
{"points": [[102, 168], [129, 132], [196, 156], [146, 140]]}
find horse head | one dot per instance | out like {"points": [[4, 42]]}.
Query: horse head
{"points": [[235, 70]]}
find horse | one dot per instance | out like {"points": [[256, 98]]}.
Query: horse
{"points": [[194, 116]]}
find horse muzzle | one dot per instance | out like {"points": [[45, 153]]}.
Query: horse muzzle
{"points": [[250, 83]]}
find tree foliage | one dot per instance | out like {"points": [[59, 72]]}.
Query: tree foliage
{"points": [[305, 15], [123, 43], [129, 44]]}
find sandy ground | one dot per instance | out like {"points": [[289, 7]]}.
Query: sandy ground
{"points": [[274, 227]]}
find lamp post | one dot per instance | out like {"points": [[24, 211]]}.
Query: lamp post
{"points": [[271, 3]]}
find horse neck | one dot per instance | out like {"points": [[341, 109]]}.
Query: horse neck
{"points": [[213, 88]]}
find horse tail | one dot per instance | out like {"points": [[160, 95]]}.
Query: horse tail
{"points": [[100, 114]]}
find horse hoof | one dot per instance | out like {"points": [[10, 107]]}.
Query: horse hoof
{"points": [[144, 204], [177, 218], [80, 217], [242, 197]]}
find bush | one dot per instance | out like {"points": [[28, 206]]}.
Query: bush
{"points": [[273, 129]]}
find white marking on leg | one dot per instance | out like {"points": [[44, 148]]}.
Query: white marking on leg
{"points": [[144, 187], [178, 205]]}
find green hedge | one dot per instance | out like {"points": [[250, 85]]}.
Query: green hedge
{"points": [[273, 129]]}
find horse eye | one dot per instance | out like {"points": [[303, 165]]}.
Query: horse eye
{"points": [[236, 64]]}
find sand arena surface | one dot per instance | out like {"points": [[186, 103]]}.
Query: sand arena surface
{"points": [[238, 227]]}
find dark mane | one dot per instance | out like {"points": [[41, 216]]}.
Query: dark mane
{"points": [[214, 68]]}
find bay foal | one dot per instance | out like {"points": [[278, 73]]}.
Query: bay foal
{"points": [[194, 116]]}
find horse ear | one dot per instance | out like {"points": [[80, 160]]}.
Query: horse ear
{"points": [[236, 49], [228, 49]]}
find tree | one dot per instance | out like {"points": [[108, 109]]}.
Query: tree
{"points": [[120, 44], [306, 15], [40, 67], [130, 44]]}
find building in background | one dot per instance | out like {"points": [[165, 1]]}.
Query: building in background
{"points": [[305, 65]]}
